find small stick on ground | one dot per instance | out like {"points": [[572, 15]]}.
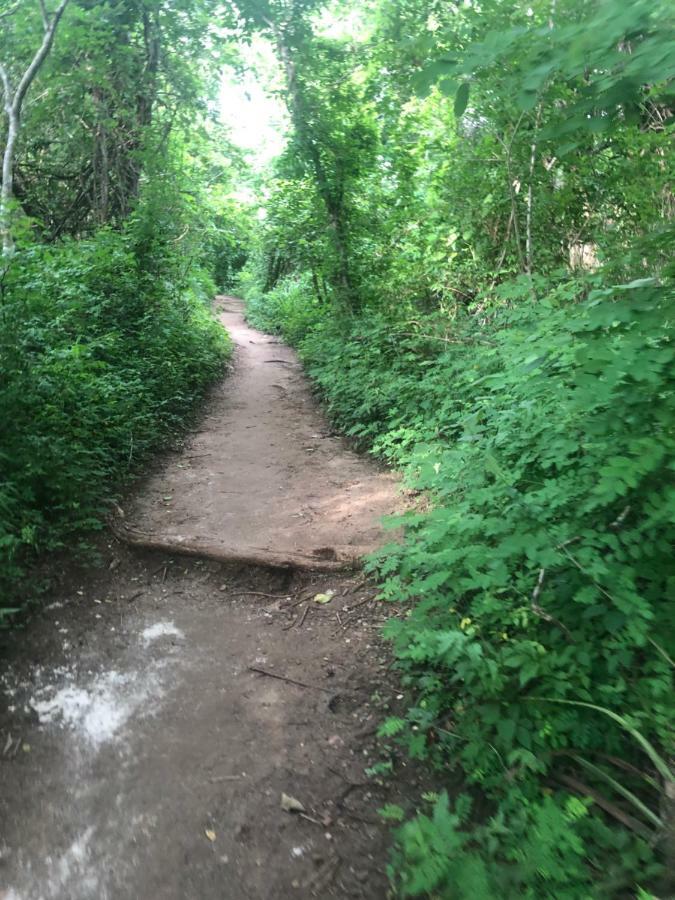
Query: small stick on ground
{"points": [[321, 879], [164, 574], [304, 684], [351, 608], [297, 602], [304, 616], [359, 584], [302, 815], [354, 815], [259, 594]]}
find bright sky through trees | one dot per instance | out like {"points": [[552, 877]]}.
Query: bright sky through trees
{"points": [[249, 107]]}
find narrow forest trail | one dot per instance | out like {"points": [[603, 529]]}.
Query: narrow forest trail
{"points": [[264, 479], [145, 743]]}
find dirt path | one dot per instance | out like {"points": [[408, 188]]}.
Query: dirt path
{"points": [[143, 751], [264, 479]]}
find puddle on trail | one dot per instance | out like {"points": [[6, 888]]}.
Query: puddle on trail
{"points": [[97, 710], [85, 711], [94, 707]]}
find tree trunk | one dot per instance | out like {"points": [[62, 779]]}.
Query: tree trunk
{"points": [[7, 193], [13, 105]]}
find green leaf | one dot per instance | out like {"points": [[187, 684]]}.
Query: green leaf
{"points": [[461, 99]]}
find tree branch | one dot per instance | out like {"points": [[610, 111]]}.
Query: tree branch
{"points": [[43, 13], [540, 611], [13, 106], [6, 89], [9, 12], [39, 58]]}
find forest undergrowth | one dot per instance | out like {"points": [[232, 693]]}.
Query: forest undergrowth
{"points": [[468, 237], [104, 351], [538, 584], [116, 226], [471, 257]]}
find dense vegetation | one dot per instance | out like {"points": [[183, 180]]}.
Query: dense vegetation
{"points": [[112, 241], [469, 239]]}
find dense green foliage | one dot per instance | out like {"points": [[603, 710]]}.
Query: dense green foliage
{"points": [[485, 299], [540, 456], [469, 238], [101, 361], [123, 223]]}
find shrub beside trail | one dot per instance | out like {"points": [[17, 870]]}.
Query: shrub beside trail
{"points": [[105, 346], [537, 647]]}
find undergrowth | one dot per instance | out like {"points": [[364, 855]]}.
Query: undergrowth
{"points": [[105, 344], [537, 650]]}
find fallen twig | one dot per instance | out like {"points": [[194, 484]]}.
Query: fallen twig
{"points": [[296, 603], [304, 616], [304, 684], [303, 815], [359, 584], [350, 608], [321, 879]]}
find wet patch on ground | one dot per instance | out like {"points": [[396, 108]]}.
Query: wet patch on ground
{"points": [[154, 714]]}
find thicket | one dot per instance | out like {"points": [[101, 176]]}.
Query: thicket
{"points": [[119, 223], [102, 357], [469, 241]]}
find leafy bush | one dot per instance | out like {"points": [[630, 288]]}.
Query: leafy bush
{"points": [[105, 345], [537, 647], [289, 309]]}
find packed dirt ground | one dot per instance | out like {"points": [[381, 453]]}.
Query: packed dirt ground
{"points": [[193, 716]]}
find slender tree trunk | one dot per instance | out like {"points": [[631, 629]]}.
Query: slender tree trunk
{"points": [[529, 200], [7, 192], [145, 100], [13, 105]]}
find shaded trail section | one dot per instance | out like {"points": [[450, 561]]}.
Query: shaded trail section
{"points": [[155, 710], [264, 480]]}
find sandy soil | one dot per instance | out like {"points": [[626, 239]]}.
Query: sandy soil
{"points": [[155, 711]]}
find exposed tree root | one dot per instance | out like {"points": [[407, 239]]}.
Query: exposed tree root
{"points": [[324, 559]]}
